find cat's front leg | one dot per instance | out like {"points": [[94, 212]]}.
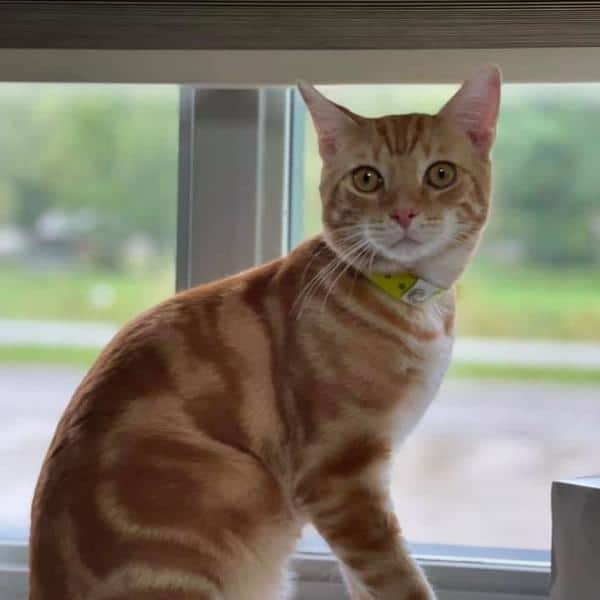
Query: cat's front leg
{"points": [[357, 521], [357, 591], [354, 587]]}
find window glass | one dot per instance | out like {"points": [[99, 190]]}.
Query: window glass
{"points": [[520, 407], [88, 198]]}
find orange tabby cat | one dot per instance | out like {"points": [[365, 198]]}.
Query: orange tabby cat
{"points": [[214, 426]]}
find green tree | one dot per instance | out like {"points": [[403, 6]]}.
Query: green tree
{"points": [[111, 150]]}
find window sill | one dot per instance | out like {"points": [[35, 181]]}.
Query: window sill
{"points": [[456, 572], [478, 574], [13, 571], [318, 578]]}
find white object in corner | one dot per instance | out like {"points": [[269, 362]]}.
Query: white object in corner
{"points": [[576, 539]]}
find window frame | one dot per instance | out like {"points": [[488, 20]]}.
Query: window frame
{"points": [[476, 575], [253, 201], [265, 125], [318, 578], [14, 570]]}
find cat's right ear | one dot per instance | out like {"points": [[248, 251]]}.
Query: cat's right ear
{"points": [[331, 122]]}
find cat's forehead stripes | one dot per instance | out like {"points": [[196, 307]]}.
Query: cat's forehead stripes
{"points": [[387, 134], [416, 128], [400, 135]]}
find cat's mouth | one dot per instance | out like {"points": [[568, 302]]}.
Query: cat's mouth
{"points": [[406, 240], [399, 245]]}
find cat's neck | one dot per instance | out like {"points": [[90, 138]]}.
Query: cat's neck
{"points": [[442, 269], [321, 266]]}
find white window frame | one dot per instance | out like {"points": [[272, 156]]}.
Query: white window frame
{"points": [[261, 204]]}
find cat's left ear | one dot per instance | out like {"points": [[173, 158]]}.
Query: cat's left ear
{"points": [[475, 107], [331, 121]]}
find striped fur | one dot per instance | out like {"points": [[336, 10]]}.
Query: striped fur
{"points": [[214, 426]]}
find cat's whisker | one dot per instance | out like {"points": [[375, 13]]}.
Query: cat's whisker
{"points": [[372, 259], [312, 259], [307, 291], [349, 260], [357, 268], [351, 233], [356, 239], [319, 279]]}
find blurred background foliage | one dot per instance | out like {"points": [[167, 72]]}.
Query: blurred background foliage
{"points": [[94, 166]]}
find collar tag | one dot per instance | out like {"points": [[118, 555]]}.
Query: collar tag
{"points": [[405, 287]]}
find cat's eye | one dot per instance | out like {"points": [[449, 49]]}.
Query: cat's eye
{"points": [[441, 175], [367, 179]]}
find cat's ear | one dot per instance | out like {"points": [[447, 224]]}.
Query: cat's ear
{"points": [[330, 120], [475, 107]]}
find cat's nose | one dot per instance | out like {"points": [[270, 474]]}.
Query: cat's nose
{"points": [[405, 216]]}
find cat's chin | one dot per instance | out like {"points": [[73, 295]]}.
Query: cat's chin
{"points": [[382, 259], [401, 253], [390, 265]]}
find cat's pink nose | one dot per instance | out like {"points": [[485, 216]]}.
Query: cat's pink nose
{"points": [[405, 216]]}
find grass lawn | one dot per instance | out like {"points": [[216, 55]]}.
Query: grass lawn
{"points": [[80, 357], [523, 373], [529, 302], [81, 295]]}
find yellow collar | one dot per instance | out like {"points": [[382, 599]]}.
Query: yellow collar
{"points": [[405, 287]]}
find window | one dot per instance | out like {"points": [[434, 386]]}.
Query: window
{"points": [[519, 407], [87, 240], [235, 45], [97, 269], [88, 228], [88, 202]]}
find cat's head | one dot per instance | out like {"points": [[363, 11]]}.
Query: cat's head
{"points": [[399, 191]]}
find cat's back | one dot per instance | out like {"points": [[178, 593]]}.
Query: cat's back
{"points": [[170, 351], [146, 471]]}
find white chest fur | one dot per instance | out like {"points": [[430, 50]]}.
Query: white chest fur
{"points": [[419, 394]]}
